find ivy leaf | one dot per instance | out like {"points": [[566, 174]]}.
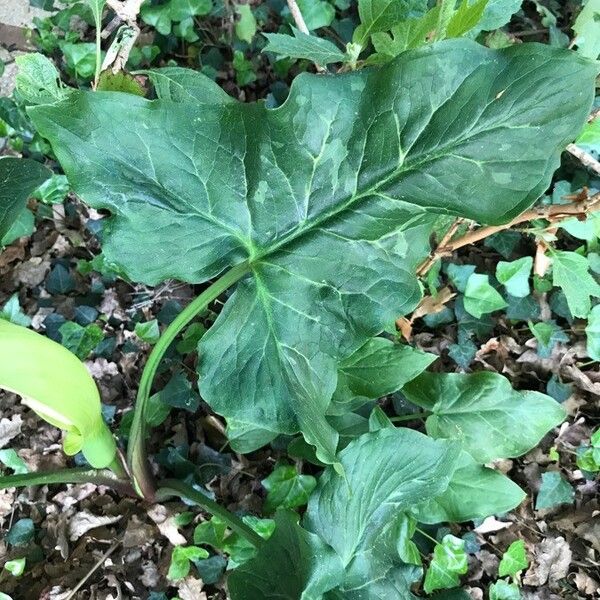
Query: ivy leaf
{"points": [[180, 560], [547, 334], [292, 564], [554, 491], [513, 560], [343, 161], [449, 561], [587, 29], [316, 13], [484, 413], [179, 10], [497, 13], [514, 276], [480, 297], [15, 567], [80, 340], [286, 488], [245, 27], [466, 17], [21, 533], [474, 492], [408, 551], [502, 590], [148, 331], [19, 177], [309, 47], [9, 458], [38, 82], [12, 312], [358, 514], [592, 331], [570, 271]]}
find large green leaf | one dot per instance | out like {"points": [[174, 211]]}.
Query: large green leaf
{"points": [[293, 564], [19, 177], [484, 413], [329, 198], [474, 492], [385, 473]]}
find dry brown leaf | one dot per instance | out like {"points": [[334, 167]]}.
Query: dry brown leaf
{"points": [[85, 521], [165, 521], [191, 589], [551, 563], [9, 429]]}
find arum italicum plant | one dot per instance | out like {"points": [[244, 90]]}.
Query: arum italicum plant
{"points": [[56, 385]]}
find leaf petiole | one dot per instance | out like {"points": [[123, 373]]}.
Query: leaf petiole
{"points": [[136, 451]]}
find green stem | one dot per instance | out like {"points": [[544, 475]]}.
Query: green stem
{"points": [[174, 487], [75, 475], [412, 417], [136, 451], [98, 54], [426, 535]]}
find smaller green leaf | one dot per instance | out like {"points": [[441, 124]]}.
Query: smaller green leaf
{"points": [[15, 567], [240, 550], [12, 312], [449, 561], [570, 272], [286, 488], [53, 190], [180, 561], [178, 393], [514, 276], [547, 334], [60, 280], [38, 80], [407, 549], [10, 459], [316, 13], [513, 560], [502, 590], [157, 16], [308, 47], [80, 58], [211, 532], [244, 69], [80, 340], [245, 26], [4, 596], [120, 82], [480, 297], [378, 419], [592, 331], [465, 17], [21, 533], [587, 28], [183, 9], [554, 491], [459, 275], [148, 331]]}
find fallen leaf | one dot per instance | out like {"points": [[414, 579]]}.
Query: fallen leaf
{"points": [[165, 521], [551, 563], [9, 429], [85, 521], [191, 589], [492, 524]]}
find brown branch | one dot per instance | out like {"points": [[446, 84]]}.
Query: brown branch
{"points": [[554, 213], [586, 159], [428, 263], [127, 13]]}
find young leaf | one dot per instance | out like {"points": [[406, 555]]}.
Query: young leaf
{"points": [[344, 161], [180, 560], [316, 13], [19, 177], [514, 276], [21, 533], [15, 567], [484, 413], [513, 560], [358, 514], [38, 80], [9, 458], [211, 532], [12, 312], [58, 387], [497, 13], [148, 331], [570, 271], [449, 561], [80, 340], [292, 564], [587, 28], [245, 26], [474, 492], [501, 590], [466, 17], [592, 331], [383, 15], [286, 488], [309, 47], [554, 491], [480, 297], [408, 551]]}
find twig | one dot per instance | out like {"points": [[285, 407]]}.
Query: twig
{"points": [[301, 25], [427, 264], [126, 12], [297, 15], [553, 213], [586, 159], [93, 570]]}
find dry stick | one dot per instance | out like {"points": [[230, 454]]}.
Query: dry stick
{"points": [[428, 263], [301, 25], [93, 570], [126, 12], [553, 213], [586, 159]]}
